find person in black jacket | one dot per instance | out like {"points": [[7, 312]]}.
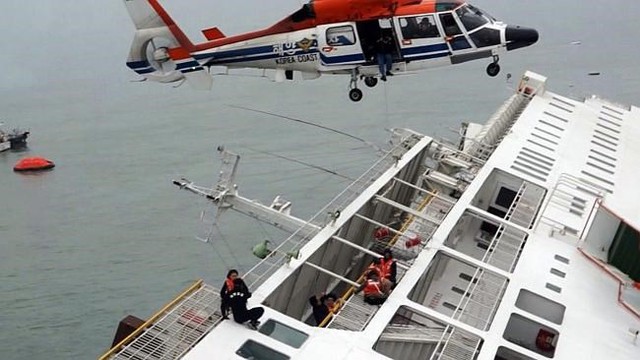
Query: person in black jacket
{"points": [[227, 287], [322, 306], [237, 300], [385, 48]]}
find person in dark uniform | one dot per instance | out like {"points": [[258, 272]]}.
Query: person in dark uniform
{"points": [[237, 300], [322, 306], [385, 48], [227, 287]]}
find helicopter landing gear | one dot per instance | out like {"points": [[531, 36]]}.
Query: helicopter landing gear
{"points": [[370, 81], [355, 94], [493, 69]]}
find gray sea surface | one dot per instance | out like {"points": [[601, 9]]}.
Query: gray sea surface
{"points": [[106, 234]]}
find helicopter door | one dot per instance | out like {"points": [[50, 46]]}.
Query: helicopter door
{"points": [[420, 39], [454, 36], [339, 47]]}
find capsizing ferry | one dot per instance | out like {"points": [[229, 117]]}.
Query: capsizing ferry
{"points": [[518, 242]]}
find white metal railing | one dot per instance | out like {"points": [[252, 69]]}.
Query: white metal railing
{"points": [[265, 268], [480, 299], [456, 344], [355, 314], [497, 126], [571, 196], [173, 330]]}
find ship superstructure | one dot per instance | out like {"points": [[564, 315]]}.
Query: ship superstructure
{"points": [[519, 242]]}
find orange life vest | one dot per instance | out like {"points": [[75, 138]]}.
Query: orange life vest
{"points": [[385, 267], [372, 288], [229, 283]]}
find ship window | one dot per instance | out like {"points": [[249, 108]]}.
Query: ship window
{"points": [[470, 19], [552, 287], [540, 306], [505, 197], [341, 35], [284, 333], [504, 353], [562, 259], [531, 335], [256, 351], [557, 272]]}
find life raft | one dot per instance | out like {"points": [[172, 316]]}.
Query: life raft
{"points": [[35, 163]]}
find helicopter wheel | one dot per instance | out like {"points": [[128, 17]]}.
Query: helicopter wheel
{"points": [[493, 69], [370, 81], [355, 95]]}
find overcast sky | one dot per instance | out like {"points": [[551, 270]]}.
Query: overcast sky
{"points": [[54, 41], [47, 40]]}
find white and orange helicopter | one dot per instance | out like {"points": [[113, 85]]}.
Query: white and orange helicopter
{"points": [[325, 37]]}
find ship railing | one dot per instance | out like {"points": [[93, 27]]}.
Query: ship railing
{"points": [[497, 126], [480, 299], [525, 205], [504, 249], [265, 268], [412, 333], [174, 329], [351, 312], [577, 199], [455, 344]]}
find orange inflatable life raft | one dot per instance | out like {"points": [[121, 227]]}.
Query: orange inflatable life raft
{"points": [[33, 164]]}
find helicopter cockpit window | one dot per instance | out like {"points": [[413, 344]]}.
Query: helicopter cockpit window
{"points": [[481, 12], [449, 24], [419, 27], [470, 19], [341, 35]]}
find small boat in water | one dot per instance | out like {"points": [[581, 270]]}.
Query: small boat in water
{"points": [[13, 140], [35, 163]]}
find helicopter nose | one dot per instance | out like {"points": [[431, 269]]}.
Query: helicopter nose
{"points": [[518, 37]]}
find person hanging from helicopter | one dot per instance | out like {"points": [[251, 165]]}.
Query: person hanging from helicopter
{"points": [[227, 288], [237, 301], [385, 47]]}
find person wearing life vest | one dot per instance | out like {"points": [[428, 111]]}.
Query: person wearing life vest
{"points": [[227, 288], [388, 266], [376, 290], [376, 267]]}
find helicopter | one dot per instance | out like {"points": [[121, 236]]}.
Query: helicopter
{"points": [[326, 37]]}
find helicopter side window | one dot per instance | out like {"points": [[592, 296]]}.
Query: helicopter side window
{"points": [[341, 36], [449, 24], [470, 19], [419, 27]]}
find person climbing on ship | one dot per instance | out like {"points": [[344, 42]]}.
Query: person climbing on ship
{"points": [[376, 289], [227, 288], [321, 306], [389, 267], [237, 301]]}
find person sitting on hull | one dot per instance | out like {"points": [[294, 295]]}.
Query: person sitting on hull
{"points": [[389, 267], [227, 288], [322, 306], [237, 300], [376, 289]]}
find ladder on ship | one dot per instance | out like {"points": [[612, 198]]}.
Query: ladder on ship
{"points": [[353, 313]]}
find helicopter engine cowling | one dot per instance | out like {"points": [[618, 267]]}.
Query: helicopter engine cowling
{"points": [[149, 55]]}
